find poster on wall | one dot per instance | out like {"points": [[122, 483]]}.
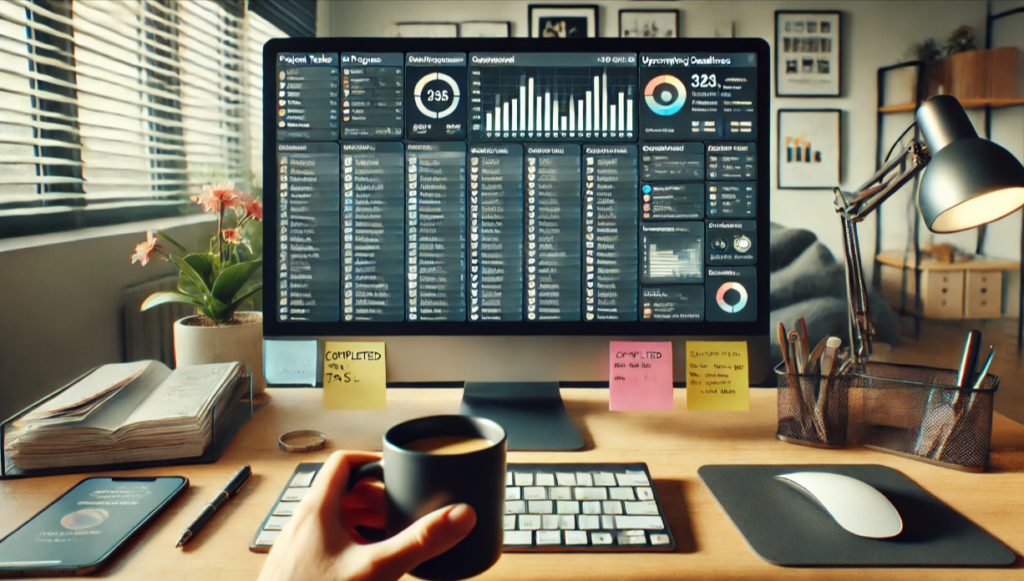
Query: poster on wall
{"points": [[649, 23], [809, 149], [426, 30], [563, 20], [807, 57]]}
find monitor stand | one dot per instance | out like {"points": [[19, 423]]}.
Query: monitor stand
{"points": [[532, 414]]}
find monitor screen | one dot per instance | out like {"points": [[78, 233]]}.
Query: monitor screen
{"points": [[496, 187]]}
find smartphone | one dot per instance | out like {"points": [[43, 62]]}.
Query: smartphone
{"points": [[78, 533]]}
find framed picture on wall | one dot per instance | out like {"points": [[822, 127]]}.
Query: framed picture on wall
{"points": [[807, 55], [426, 30], [649, 23], [485, 29], [563, 21], [810, 149]]}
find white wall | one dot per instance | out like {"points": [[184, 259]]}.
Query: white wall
{"points": [[876, 33]]}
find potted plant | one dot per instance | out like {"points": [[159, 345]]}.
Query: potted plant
{"points": [[216, 283]]}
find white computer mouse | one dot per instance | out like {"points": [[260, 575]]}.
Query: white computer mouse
{"points": [[856, 506]]}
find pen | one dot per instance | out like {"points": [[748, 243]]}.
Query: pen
{"points": [[965, 378], [233, 486]]}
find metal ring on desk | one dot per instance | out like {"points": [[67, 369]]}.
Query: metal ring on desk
{"points": [[302, 441]]}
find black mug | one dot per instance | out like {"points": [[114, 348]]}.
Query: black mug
{"points": [[417, 483]]}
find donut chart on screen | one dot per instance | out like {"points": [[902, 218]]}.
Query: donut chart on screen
{"points": [[662, 101], [720, 296], [421, 85]]}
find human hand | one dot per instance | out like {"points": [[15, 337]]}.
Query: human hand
{"points": [[321, 543]]}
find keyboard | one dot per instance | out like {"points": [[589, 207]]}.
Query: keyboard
{"points": [[548, 508]]}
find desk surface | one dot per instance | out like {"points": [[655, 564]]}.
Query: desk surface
{"points": [[674, 444]]}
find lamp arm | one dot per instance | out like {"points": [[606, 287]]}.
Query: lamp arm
{"points": [[853, 208]]}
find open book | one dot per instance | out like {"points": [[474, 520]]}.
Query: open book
{"points": [[126, 412]]}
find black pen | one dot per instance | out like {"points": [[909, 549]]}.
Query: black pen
{"points": [[234, 485]]}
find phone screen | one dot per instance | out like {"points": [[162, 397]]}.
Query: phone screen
{"points": [[87, 523]]}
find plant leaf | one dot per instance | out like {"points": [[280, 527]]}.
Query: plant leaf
{"points": [[245, 296], [203, 265], [232, 279], [161, 298], [165, 236], [217, 311], [191, 274]]}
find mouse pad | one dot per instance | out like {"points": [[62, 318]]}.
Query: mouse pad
{"points": [[784, 527]]}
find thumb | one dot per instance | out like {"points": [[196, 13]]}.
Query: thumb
{"points": [[424, 539]]}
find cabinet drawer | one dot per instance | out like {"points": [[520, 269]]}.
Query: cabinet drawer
{"points": [[983, 294], [942, 295]]}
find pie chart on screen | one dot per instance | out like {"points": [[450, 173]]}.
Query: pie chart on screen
{"points": [[724, 305], [665, 95]]}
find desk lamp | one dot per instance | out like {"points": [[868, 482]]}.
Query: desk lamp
{"points": [[969, 182]]}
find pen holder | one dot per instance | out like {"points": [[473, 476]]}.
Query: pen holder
{"points": [[813, 409], [919, 413]]}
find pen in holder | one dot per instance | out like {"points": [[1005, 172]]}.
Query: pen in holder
{"points": [[813, 408], [920, 413]]}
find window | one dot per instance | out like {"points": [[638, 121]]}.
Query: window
{"points": [[116, 111]]}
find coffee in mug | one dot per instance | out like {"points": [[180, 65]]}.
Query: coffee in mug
{"points": [[445, 445]]}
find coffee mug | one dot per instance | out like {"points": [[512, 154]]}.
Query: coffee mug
{"points": [[417, 483]]}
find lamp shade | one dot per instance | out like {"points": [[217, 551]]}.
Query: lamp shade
{"points": [[969, 181]]}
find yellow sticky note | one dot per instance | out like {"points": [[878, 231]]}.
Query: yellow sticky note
{"points": [[354, 376], [717, 376]]}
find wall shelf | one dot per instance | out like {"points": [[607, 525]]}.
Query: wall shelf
{"points": [[967, 103]]}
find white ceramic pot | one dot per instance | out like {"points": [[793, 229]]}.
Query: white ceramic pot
{"points": [[197, 344]]}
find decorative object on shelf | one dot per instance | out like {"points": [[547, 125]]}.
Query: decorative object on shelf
{"points": [[563, 21], [961, 40], [215, 283], [807, 53], [426, 30], [653, 23], [485, 29], [958, 67], [809, 148]]}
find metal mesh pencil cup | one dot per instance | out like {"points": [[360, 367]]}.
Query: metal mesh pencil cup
{"points": [[919, 413], [813, 409]]}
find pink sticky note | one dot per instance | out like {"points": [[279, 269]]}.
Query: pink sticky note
{"points": [[640, 376]]}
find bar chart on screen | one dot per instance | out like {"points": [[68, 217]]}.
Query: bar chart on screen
{"points": [[575, 96]]}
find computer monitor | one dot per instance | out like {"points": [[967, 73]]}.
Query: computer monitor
{"points": [[496, 210]]}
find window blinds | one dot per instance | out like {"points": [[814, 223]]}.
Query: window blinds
{"points": [[126, 104]]}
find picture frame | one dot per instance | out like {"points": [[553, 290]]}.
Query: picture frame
{"points": [[563, 21], [648, 23], [808, 53], [485, 29], [426, 30], [809, 149]]}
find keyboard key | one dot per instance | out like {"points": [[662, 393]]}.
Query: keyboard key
{"points": [[584, 479], [510, 522], [518, 538], [549, 537], [621, 493], [539, 506], [550, 522], [276, 523], [604, 479], [659, 539], [535, 493], [592, 507], [607, 522], [513, 493], [566, 479], [508, 479], [575, 538], [545, 480], [294, 494], [266, 538], [515, 507], [639, 522], [645, 507], [591, 493], [632, 538], [529, 522], [590, 522], [611, 507], [568, 521], [601, 538], [285, 509], [632, 479], [568, 507], [302, 479], [524, 478], [645, 494], [560, 493]]}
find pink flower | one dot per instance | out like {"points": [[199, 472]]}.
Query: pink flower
{"points": [[249, 207], [232, 236], [143, 250], [214, 196]]}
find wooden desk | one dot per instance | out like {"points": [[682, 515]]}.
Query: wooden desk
{"points": [[673, 444]]}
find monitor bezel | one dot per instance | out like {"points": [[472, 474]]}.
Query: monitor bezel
{"points": [[272, 327]]}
